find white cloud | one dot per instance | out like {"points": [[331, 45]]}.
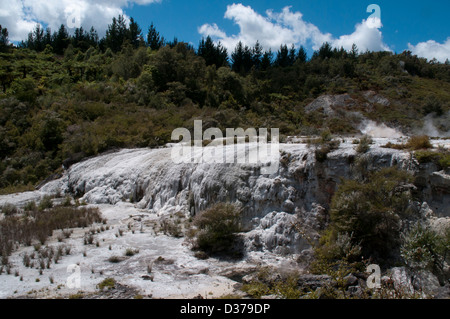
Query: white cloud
{"points": [[432, 50], [21, 16], [366, 36], [287, 27]]}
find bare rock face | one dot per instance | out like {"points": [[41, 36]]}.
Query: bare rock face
{"points": [[327, 103], [332, 105], [375, 98], [440, 184], [434, 186]]}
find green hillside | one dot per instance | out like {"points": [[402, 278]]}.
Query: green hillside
{"points": [[70, 97]]}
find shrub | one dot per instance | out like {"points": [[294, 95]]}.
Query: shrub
{"points": [[217, 228], [337, 246], [115, 259], [441, 159], [426, 156], [419, 142], [324, 145], [45, 203], [445, 161], [131, 252], [172, 228], [371, 211], [108, 283], [395, 146], [414, 143], [30, 206], [432, 105], [88, 239], [283, 284], [424, 248], [364, 144], [9, 209]]}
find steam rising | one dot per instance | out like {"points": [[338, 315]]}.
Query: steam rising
{"points": [[430, 129], [373, 129]]}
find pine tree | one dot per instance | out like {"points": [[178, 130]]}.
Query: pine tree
{"points": [[266, 60], [292, 56], [172, 44], [116, 33], [3, 39], [354, 51], [154, 40], [257, 55], [282, 59], [93, 37], [80, 39], [38, 38], [238, 58], [325, 51], [48, 40], [61, 40], [134, 33], [302, 56], [248, 59], [213, 54], [242, 58]]}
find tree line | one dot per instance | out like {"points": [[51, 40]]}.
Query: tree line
{"points": [[120, 33]]}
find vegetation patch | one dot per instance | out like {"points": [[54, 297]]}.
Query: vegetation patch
{"points": [[108, 284], [31, 226], [441, 159], [215, 230], [414, 143]]}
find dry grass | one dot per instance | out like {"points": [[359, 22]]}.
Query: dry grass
{"points": [[28, 227], [414, 143], [419, 142]]}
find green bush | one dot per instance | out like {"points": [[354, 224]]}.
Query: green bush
{"points": [[284, 284], [419, 142], [324, 145], [216, 229], [414, 143], [445, 161], [45, 203], [426, 156], [108, 283], [131, 252], [364, 144], [424, 248], [9, 209], [441, 159], [371, 211]]}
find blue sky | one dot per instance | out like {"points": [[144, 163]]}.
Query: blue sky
{"points": [[404, 21], [420, 26]]}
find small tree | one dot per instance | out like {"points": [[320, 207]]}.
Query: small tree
{"points": [[4, 42], [372, 211], [424, 248], [216, 229], [364, 144], [154, 40]]}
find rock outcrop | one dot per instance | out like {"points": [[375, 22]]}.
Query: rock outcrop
{"points": [[301, 187], [270, 203]]}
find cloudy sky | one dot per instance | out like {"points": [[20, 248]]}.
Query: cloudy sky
{"points": [[420, 26]]}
